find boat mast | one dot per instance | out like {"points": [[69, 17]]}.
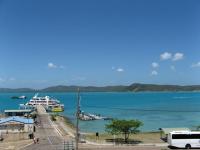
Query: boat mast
{"points": [[77, 119]]}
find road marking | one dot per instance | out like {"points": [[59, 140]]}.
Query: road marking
{"points": [[55, 128], [25, 146], [49, 140], [10, 147]]}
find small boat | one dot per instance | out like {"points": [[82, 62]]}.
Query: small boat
{"points": [[96, 117], [57, 109], [19, 97], [22, 97], [88, 116], [82, 116], [99, 117]]}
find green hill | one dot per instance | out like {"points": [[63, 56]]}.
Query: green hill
{"points": [[136, 87], [85, 89]]}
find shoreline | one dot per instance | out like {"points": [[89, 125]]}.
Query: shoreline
{"points": [[71, 124], [140, 138]]}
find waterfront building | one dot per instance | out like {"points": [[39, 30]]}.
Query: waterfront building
{"points": [[18, 112], [16, 124]]}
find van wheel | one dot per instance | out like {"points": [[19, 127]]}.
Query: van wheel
{"points": [[188, 146]]}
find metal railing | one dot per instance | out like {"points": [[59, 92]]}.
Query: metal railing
{"points": [[69, 145]]}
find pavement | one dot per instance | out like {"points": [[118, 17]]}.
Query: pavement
{"points": [[126, 148], [149, 146], [49, 137], [18, 145]]}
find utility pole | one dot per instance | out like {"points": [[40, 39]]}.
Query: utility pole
{"points": [[77, 119]]}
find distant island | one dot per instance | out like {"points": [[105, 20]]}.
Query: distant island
{"points": [[136, 87]]}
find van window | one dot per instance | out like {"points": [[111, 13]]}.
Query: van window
{"points": [[185, 136]]}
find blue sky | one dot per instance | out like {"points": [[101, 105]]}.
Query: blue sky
{"points": [[107, 42]]}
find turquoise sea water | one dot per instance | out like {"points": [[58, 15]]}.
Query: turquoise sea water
{"points": [[181, 109]]}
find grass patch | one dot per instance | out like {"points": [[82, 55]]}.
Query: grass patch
{"points": [[143, 137], [68, 122], [53, 117]]}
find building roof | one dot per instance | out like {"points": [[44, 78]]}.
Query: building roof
{"points": [[16, 119], [168, 130], [19, 110]]}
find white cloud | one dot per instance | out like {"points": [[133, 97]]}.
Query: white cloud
{"points": [[120, 70], [62, 67], [52, 65], [165, 56], [172, 67], [155, 65], [196, 64], [1, 79], [11, 79], [178, 56], [7, 79], [154, 73]]}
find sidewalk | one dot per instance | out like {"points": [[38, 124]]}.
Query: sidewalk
{"points": [[15, 145]]}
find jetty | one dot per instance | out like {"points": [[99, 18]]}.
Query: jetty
{"points": [[88, 117], [46, 131]]}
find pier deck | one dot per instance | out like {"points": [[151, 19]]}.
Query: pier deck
{"points": [[49, 139]]}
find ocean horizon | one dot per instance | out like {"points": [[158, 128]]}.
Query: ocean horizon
{"points": [[155, 109]]}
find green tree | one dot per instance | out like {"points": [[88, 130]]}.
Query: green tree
{"points": [[53, 117], [125, 127]]}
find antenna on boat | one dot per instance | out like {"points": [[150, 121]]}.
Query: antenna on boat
{"points": [[77, 118], [36, 95]]}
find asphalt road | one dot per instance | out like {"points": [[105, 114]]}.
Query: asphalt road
{"points": [[49, 139]]}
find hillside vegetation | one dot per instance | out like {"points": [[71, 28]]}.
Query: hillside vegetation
{"points": [[136, 87]]}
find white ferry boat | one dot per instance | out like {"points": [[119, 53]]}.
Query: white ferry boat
{"points": [[51, 104]]}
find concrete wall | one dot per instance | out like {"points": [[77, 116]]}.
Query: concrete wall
{"points": [[28, 128]]}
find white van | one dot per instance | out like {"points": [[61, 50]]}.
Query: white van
{"points": [[184, 139]]}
